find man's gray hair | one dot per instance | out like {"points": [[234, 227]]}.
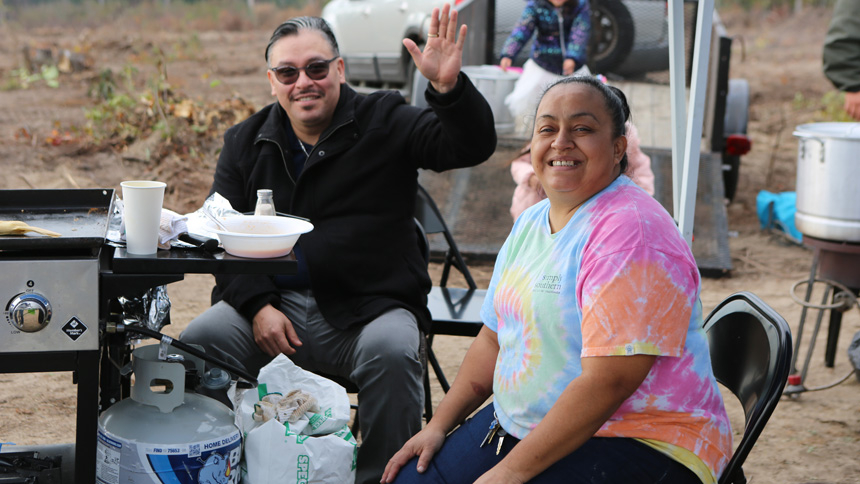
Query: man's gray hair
{"points": [[292, 27]]}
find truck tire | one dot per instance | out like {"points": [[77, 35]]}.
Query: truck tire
{"points": [[737, 107], [611, 35], [737, 116]]}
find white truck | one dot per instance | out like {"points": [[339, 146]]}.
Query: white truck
{"points": [[629, 36]]}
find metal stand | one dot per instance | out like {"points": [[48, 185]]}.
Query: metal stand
{"points": [[838, 264]]}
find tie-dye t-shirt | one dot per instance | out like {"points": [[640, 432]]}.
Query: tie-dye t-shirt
{"points": [[617, 280]]}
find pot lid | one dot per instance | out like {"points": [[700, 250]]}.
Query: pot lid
{"points": [[829, 130]]}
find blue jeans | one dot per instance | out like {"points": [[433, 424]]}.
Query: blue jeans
{"points": [[599, 460]]}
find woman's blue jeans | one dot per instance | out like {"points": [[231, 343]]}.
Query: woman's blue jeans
{"points": [[599, 460]]}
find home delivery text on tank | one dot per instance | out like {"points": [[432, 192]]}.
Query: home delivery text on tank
{"points": [[220, 443]]}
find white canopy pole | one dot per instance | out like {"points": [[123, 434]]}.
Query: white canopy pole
{"points": [[678, 93], [698, 86]]}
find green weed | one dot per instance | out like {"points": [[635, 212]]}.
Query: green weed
{"points": [[22, 78], [827, 108]]}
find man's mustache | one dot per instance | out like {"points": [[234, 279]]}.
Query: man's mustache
{"points": [[306, 92]]}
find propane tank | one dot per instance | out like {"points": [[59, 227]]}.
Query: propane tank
{"points": [[165, 434]]}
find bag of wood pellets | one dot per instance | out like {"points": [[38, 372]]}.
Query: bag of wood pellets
{"points": [[296, 428]]}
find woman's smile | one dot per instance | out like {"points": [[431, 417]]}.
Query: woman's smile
{"points": [[565, 163]]}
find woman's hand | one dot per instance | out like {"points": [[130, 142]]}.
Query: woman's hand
{"points": [[424, 444], [505, 63], [443, 54], [473, 385], [568, 67]]}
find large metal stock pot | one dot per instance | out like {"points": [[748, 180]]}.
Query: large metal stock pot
{"points": [[828, 181]]}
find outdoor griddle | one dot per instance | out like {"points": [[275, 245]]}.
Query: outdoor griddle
{"points": [[59, 295], [79, 216]]}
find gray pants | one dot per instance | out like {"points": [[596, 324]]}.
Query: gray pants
{"points": [[383, 359]]}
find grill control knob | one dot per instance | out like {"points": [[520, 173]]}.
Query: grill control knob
{"points": [[29, 312]]}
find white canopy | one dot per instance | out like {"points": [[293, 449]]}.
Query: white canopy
{"points": [[687, 124]]}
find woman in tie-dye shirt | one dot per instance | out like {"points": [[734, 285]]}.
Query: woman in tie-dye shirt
{"points": [[593, 346]]}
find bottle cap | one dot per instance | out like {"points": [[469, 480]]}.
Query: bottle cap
{"points": [[264, 192]]}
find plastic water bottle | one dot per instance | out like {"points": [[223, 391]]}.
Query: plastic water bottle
{"points": [[265, 205]]}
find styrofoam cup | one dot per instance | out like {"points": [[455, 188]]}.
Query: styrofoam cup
{"points": [[142, 202]]}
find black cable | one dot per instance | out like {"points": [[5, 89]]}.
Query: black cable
{"points": [[831, 385], [238, 372]]}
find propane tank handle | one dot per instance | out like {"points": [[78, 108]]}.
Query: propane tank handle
{"points": [[151, 373]]}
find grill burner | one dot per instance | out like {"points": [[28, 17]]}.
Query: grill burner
{"points": [[837, 261], [837, 266]]}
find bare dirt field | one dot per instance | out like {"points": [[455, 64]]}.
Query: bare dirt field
{"points": [[46, 142]]}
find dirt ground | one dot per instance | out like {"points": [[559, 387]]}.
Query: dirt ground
{"points": [[814, 437]]}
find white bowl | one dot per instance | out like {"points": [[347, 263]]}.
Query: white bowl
{"points": [[261, 236]]}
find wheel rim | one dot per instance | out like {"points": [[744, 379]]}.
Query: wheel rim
{"points": [[604, 33]]}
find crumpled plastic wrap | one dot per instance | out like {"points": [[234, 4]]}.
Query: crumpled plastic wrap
{"points": [[218, 206], [150, 310]]}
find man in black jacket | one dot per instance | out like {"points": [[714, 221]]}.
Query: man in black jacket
{"points": [[347, 162]]}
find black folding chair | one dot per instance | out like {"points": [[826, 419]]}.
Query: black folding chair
{"points": [[454, 310], [750, 347]]}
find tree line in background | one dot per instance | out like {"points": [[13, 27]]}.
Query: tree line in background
{"points": [[229, 15], [14, 10], [17, 4]]}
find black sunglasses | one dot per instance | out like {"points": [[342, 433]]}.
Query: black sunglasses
{"points": [[316, 70]]}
